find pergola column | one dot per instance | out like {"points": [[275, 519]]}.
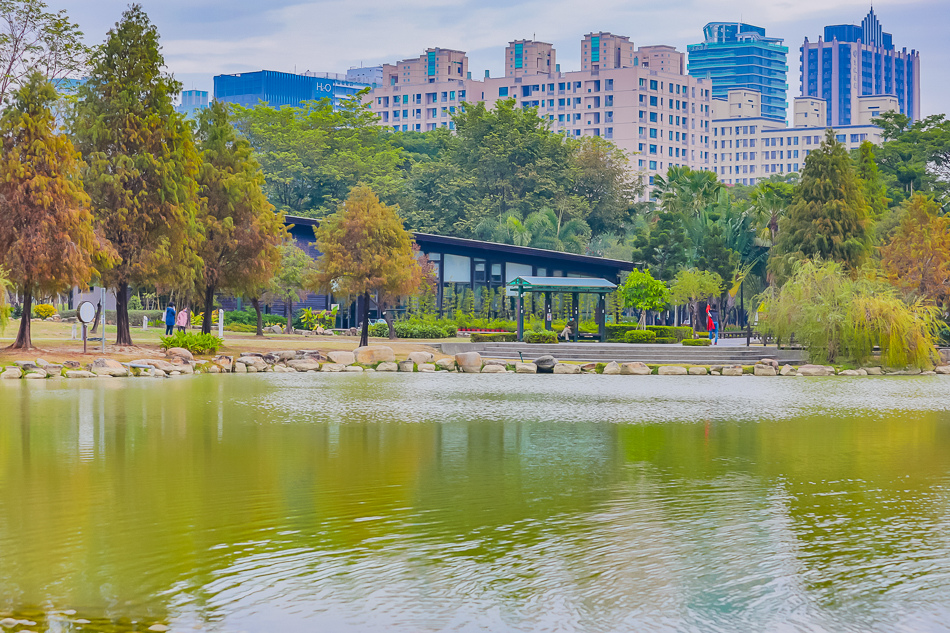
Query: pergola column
{"points": [[602, 317], [548, 312], [576, 312]]}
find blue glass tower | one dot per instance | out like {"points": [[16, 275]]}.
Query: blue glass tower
{"points": [[737, 56], [282, 89]]}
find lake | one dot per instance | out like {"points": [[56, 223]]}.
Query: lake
{"points": [[445, 502]]}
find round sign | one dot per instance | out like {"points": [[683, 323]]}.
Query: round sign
{"points": [[86, 312]]}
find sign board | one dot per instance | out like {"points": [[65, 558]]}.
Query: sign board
{"points": [[86, 312]]}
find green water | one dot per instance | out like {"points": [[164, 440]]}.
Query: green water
{"points": [[398, 502]]}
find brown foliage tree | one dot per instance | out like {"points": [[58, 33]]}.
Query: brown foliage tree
{"points": [[917, 259], [366, 249]]}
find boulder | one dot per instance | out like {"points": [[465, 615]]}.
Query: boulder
{"points": [[341, 358], [107, 362], [239, 368], [115, 372], [734, 370], [526, 368], [815, 370], [761, 369], [36, 373], [672, 370], [372, 354], [786, 370], [71, 364], [427, 367], [213, 369], [257, 362], [310, 354], [715, 373], [447, 364], [164, 365], [942, 369], [564, 368], [944, 355], [849, 372], [923, 373], [696, 371], [496, 361], [406, 366], [179, 352], [635, 369], [469, 362], [79, 373], [387, 366], [716, 368], [224, 363], [588, 367], [25, 364], [877, 371], [421, 357], [354, 369], [283, 355], [12, 373], [769, 361], [545, 364], [303, 364], [332, 367], [612, 368], [493, 369]]}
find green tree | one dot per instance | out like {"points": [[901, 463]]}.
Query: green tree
{"points": [[365, 249], [141, 164], [47, 241], [770, 199], [828, 217], [5, 311], [713, 255], [642, 292], [293, 276], [662, 247], [242, 233], [915, 156], [686, 191], [692, 286], [872, 184], [917, 258], [602, 178]]}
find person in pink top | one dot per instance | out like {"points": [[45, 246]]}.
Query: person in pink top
{"points": [[181, 321]]}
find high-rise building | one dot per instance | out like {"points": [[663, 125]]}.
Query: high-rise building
{"points": [[283, 89], [852, 62], [366, 75], [643, 101], [737, 56], [192, 101]]}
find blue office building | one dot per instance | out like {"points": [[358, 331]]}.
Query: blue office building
{"points": [[283, 89], [737, 56], [192, 102]]}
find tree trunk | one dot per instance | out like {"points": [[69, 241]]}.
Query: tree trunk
{"points": [[389, 321], [209, 310], [95, 321], [260, 318], [122, 334], [289, 305], [23, 339], [364, 335]]}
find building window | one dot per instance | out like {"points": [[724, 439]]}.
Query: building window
{"points": [[503, 91]]}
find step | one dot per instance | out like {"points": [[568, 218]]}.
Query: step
{"points": [[623, 352]]}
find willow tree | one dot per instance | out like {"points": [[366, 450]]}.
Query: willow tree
{"points": [[47, 243], [366, 249], [241, 249], [141, 164]]}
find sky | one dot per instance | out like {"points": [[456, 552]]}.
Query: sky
{"points": [[203, 38]]}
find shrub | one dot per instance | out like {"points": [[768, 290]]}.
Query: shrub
{"points": [[241, 327], [193, 342], [617, 332], [666, 340], [44, 310], [379, 330], [507, 337], [696, 342], [540, 336], [640, 336]]}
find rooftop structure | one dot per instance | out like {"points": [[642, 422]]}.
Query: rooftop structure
{"points": [[192, 101]]}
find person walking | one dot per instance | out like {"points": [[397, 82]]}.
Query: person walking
{"points": [[714, 317], [169, 319], [181, 321]]}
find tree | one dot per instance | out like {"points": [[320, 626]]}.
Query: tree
{"points": [[770, 199], [141, 164], [662, 248], [46, 233], [33, 40], [365, 249], [713, 255], [828, 217], [602, 178], [686, 191], [917, 259], [871, 182], [242, 233], [290, 281], [5, 311], [915, 156], [692, 286], [642, 292]]}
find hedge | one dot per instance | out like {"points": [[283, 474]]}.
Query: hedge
{"points": [[696, 342], [542, 336], [640, 336], [666, 340], [617, 332], [669, 331], [498, 337]]}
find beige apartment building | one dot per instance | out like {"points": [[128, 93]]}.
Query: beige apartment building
{"points": [[641, 99], [747, 147]]}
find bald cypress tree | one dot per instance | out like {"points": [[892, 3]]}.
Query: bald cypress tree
{"points": [[828, 217]]}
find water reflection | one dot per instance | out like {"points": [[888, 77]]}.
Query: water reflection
{"points": [[289, 502]]}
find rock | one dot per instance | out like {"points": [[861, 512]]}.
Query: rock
{"points": [[877, 371], [36, 373], [769, 361], [174, 373], [78, 373], [526, 368], [545, 364], [447, 364], [427, 367], [905, 372], [923, 373], [564, 368], [406, 366], [257, 362], [588, 367], [341, 358], [942, 369], [107, 363], [310, 354], [179, 352], [284, 355], [239, 368], [815, 370], [225, 363], [763, 370], [355, 369], [496, 361], [369, 370], [251, 369], [612, 368], [493, 369], [332, 367], [26, 364], [71, 364], [164, 365], [420, 358], [12, 373], [715, 373], [41, 363], [786, 370], [716, 368], [387, 366], [213, 369], [672, 370], [372, 354], [734, 370], [115, 372], [469, 362], [696, 371], [635, 369]]}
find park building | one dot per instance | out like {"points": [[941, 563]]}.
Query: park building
{"points": [[851, 62], [747, 146], [279, 89], [639, 98]]}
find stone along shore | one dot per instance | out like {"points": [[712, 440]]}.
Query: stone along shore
{"points": [[379, 358]]}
